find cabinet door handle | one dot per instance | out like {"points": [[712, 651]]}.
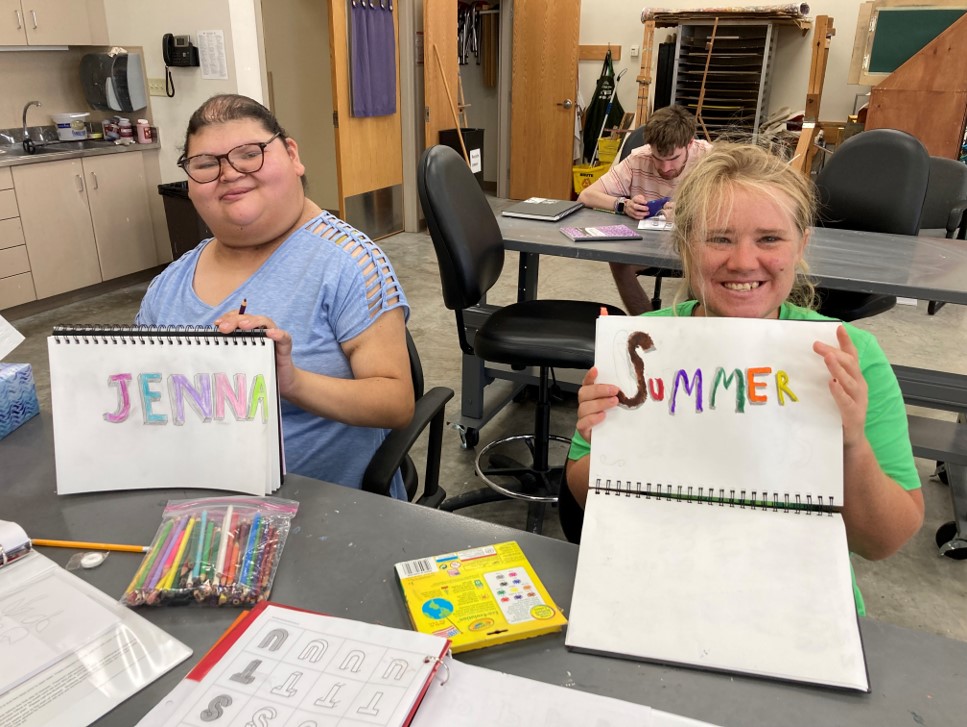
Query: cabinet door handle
{"points": [[80, 182], [33, 15], [20, 20], [94, 179]]}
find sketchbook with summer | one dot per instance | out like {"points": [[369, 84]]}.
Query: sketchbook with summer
{"points": [[721, 471], [165, 406]]}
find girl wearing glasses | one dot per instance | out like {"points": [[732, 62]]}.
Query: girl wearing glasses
{"points": [[326, 293]]}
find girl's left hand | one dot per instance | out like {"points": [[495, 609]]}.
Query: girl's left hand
{"points": [[285, 369], [847, 385]]}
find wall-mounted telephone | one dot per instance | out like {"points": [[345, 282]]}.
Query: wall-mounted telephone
{"points": [[178, 50]]}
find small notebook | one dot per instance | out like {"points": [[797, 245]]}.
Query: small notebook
{"points": [[283, 665], [539, 208], [722, 472], [655, 223], [478, 597], [602, 233], [168, 406]]}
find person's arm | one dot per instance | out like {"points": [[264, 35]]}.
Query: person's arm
{"points": [[880, 515], [594, 400], [380, 394], [604, 192]]}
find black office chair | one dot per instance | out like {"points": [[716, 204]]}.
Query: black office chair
{"points": [[393, 453], [945, 205], [538, 333], [875, 182], [635, 139]]}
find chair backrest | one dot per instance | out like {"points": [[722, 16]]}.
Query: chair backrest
{"points": [[635, 139], [416, 368], [466, 237], [876, 181], [946, 189]]}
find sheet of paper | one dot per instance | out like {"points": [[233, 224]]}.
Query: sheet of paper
{"points": [[43, 621], [294, 667], [655, 223], [10, 337], [78, 689], [211, 55]]}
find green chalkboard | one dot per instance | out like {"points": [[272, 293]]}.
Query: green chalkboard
{"points": [[901, 33]]}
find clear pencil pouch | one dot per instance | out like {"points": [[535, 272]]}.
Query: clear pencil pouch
{"points": [[217, 551]]}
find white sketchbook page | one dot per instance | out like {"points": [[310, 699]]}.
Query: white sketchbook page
{"points": [[476, 697], [41, 622], [94, 454], [87, 684], [10, 337], [727, 588], [293, 667], [789, 448]]}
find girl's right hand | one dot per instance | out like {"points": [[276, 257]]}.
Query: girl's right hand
{"points": [[594, 400]]}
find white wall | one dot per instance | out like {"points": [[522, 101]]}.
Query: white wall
{"points": [[143, 24], [619, 22]]}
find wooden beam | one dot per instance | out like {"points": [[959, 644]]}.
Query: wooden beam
{"points": [[598, 52], [823, 32], [644, 74]]}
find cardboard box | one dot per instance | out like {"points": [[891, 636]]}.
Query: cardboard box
{"points": [[18, 396]]}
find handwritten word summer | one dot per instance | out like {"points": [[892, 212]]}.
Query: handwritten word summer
{"points": [[209, 396], [750, 385]]}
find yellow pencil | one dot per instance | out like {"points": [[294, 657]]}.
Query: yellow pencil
{"points": [[81, 545]]}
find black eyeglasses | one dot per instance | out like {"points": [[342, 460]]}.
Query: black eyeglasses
{"points": [[245, 159]]}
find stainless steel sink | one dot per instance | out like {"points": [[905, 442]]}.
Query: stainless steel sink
{"points": [[53, 147]]}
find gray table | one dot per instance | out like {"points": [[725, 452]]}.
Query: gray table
{"points": [[925, 268], [339, 559]]}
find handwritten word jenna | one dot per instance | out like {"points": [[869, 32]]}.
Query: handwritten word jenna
{"points": [[208, 396]]}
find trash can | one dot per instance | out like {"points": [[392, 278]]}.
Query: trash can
{"points": [[473, 139], [185, 228]]}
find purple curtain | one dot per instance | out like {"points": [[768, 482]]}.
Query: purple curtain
{"points": [[372, 57]]}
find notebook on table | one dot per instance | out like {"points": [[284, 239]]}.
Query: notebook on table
{"points": [[540, 208], [601, 233], [722, 473], [167, 406]]}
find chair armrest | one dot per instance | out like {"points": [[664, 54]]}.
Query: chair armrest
{"points": [[955, 220], [391, 453]]}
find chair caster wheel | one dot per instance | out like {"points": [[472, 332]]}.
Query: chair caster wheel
{"points": [[950, 545], [469, 438]]}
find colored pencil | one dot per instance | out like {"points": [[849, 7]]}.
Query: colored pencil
{"points": [[205, 548], [179, 558], [150, 558], [162, 565], [250, 548], [258, 550], [223, 544], [195, 571], [83, 545]]}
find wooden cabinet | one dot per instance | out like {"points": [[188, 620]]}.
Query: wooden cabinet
{"points": [[16, 282], [57, 226], [121, 214], [53, 22], [85, 220]]}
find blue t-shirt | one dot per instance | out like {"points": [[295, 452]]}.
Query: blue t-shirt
{"points": [[316, 287]]}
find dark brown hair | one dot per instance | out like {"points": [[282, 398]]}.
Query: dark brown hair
{"points": [[670, 128]]}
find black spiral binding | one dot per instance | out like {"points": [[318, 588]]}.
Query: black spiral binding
{"points": [[785, 502], [114, 334]]}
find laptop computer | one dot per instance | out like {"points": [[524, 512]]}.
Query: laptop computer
{"points": [[539, 208]]}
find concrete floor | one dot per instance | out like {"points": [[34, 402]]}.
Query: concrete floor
{"points": [[915, 588]]}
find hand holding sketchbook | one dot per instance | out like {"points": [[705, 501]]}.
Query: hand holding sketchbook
{"points": [[723, 471]]}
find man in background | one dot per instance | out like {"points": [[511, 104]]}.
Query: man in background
{"points": [[650, 172]]}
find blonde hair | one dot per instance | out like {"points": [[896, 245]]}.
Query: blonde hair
{"points": [[707, 192]]}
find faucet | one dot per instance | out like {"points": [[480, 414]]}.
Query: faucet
{"points": [[27, 106]]}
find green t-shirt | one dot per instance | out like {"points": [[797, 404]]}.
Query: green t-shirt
{"points": [[886, 414]]}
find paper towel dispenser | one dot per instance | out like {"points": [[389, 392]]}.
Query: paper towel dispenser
{"points": [[114, 81]]}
